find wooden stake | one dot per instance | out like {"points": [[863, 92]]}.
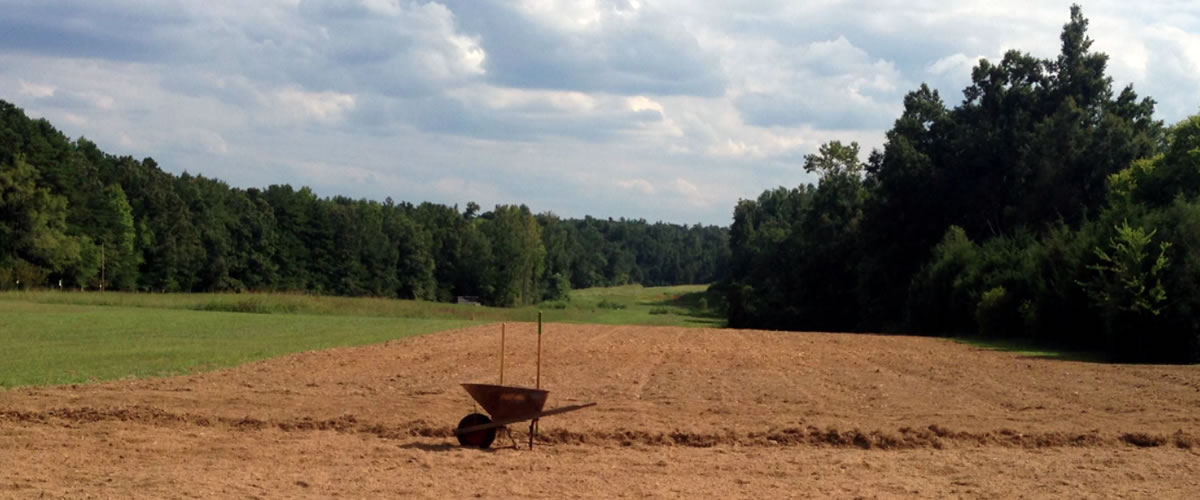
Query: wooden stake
{"points": [[533, 425], [539, 352], [502, 325]]}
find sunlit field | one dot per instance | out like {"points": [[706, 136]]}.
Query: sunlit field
{"points": [[69, 337]]}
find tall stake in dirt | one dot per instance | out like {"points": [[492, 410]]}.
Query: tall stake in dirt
{"points": [[539, 353], [538, 380]]}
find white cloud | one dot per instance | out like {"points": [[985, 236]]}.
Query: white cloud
{"points": [[671, 109], [640, 185], [201, 141], [100, 101], [685, 188], [35, 90], [954, 63], [734, 148], [643, 103], [324, 106], [74, 119]]}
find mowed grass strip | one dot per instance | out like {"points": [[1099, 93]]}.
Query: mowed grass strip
{"points": [[682, 305], [47, 344]]}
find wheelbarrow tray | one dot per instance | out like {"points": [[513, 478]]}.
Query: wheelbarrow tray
{"points": [[509, 404], [506, 401]]}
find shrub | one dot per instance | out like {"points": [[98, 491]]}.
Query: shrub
{"points": [[997, 314], [1180, 318], [1061, 312], [1127, 277], [935, 302], [21, 275], [660, 310], [557, 287], [1127, 288]]}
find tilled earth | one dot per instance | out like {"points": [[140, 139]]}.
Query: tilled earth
{"points": [[681, 412]]}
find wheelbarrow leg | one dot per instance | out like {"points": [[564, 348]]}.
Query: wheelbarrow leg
{"points": [[532, 431], [512, 439]]}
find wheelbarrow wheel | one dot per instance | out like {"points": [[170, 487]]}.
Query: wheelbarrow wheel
{"points": [[481, 439]]}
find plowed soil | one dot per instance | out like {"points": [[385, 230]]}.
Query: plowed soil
{"points": [[682, 412]]}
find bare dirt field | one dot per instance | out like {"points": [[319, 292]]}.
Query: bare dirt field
{"points": [[682, 412]]}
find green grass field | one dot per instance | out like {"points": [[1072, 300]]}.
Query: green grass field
{"points": [[62, 344], [70, 337]]}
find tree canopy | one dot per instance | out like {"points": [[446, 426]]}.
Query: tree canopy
{"points": [[71, 212], [1046, 205]]}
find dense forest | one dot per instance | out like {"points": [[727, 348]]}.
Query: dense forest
{"points": [[1046, 206], [72, 214]]}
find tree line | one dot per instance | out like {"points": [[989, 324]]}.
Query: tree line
{"points": [[1046, 206], [73, 215]]}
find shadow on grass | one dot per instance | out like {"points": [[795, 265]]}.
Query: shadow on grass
{"points": [[1029, 350], [706, 321], [693, 306]]}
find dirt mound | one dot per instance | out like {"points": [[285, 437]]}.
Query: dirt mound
{"points": [[904, 438], [758, 409]]}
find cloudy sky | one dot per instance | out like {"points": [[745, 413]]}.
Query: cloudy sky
{"points": [[659, 109]]}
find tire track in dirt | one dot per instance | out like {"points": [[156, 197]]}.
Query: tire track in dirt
{"points": [[652, 368], [904, 438]]}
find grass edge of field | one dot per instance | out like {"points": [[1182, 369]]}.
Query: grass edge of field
{"points": [[678, 305], [175, 342], [629, 304], [1029, 349]]}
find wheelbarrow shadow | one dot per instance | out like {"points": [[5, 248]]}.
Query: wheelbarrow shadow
{"points": [[440, 447], [444, 447]]}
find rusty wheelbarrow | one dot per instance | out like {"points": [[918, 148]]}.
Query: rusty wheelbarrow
{"points": [[507, 405]]}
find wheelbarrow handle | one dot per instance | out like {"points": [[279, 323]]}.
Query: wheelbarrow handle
{"points": [[513, 420]]}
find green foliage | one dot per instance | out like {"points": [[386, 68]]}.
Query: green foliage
{"points": [[659, 310], [518, 256], [1127, 277], [70, 212], [1176, 172], [834, 160], [558, 288], [794, 251], [1179, 323], [986, 218], [119, 257], [937, 302], [1060, 312], [18, 274], [35, 239], [997, 314]]}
